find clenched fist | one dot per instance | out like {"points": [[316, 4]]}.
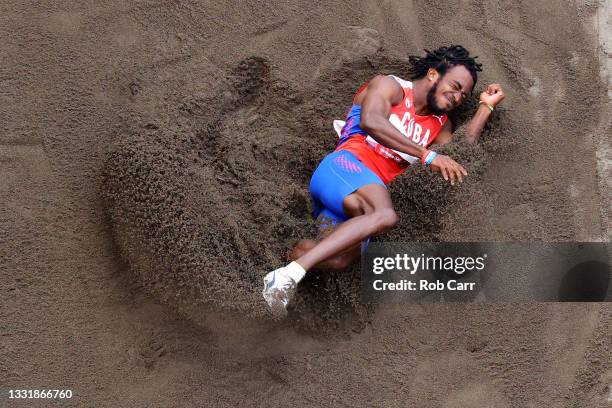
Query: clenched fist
{"points": [[493, 95]]}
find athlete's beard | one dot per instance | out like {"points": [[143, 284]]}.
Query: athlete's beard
{"points": [[432, 104]]}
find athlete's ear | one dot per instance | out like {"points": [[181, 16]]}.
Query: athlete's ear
{"points": [[432, 75]]}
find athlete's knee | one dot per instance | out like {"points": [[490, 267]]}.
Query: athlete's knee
{"points": [[354, 206], [384, 218], [301, 248], [306, 244], [341, 262]]}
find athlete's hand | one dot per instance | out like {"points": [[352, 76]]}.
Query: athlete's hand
{"points": [[493, 95], [450, 169]]}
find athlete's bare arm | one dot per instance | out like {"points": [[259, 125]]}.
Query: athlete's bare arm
{"points": [[381, 94], [492, 96]]}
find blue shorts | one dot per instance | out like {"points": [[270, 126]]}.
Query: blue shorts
{"points": [[338, 175]]}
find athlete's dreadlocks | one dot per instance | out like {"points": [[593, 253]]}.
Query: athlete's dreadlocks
{"points": [[442, 59]]}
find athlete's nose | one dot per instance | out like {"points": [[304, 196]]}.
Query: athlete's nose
{"points": [[456, 98]]}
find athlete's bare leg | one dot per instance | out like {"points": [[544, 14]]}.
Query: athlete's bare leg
{"points": [[354, 207], [372, 212], [336, 263]]}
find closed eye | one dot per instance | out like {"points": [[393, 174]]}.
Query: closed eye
{"points": [[457, 87]]}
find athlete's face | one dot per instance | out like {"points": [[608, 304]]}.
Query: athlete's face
{"points": [[450, 90]]}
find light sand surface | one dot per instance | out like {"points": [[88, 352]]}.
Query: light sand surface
{"points": [[154, 161]]}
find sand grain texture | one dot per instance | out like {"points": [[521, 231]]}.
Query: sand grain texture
{"points": [[155, 161]]}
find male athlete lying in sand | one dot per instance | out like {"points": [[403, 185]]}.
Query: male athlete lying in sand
{"points": [[391, 124]]}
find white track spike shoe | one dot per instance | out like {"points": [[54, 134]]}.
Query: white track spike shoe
{"points": [[278, 291]]}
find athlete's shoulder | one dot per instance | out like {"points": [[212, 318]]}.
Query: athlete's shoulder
{"points": [[389, 88], [403, 83]]}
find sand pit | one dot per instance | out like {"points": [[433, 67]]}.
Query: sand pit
{"points": [[206, 201], [151, 166]]}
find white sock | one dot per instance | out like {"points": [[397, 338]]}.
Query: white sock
{"points": [[295, 271]]}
